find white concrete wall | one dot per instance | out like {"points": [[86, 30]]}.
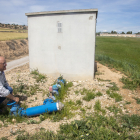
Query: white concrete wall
{"points": [[70, 53]]}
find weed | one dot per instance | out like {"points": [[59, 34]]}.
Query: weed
{"points": [[4, 138], [127, 102], [79, 102], [114, 95], [89, 94], [99, 93], [25, 89], [114, 87], [129, 84], [76, 92], [138, 100], [98, 73], [131, 121], [97, 106], [42, 135], [32, 122], [24, 105], [18, 132], [63, 91], [39, 77], [99, 79], [114, 109]]}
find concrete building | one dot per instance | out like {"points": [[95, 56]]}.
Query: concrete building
{"points": [[63, 42]]}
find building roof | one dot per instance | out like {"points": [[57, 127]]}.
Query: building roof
{"points": [[63, 12]]}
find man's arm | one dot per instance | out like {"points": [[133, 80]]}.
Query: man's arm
{"points": [[10, 96]]}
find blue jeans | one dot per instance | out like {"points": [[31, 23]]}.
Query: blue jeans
{"points": [[3, 98]]}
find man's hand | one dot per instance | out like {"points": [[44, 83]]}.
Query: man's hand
{"points": [[11, 97], [16, 99]]}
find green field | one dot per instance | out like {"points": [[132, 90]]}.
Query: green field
{"points": [[122, 54], [119, 48], [4, 36]]}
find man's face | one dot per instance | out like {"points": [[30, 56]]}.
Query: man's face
{"points": [[2, 63]]}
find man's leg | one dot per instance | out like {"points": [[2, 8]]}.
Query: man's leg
{"points": [[3, 98]]}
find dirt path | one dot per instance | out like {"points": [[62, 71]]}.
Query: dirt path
{"points": [[99, 84]]}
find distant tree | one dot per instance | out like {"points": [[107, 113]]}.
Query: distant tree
{"points": [[123, 33], [98, 33], [113, 32], [129, 32]]}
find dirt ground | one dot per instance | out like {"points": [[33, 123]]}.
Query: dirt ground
{"points": [[100, 83], [14, 49]]}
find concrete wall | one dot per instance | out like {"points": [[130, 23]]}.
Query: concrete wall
{"points": [[70, 53]]}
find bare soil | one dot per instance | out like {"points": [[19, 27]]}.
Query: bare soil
{"points": [[100, 83], [14, 49]]}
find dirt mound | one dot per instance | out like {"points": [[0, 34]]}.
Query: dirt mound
{"points": [[14, 49]]}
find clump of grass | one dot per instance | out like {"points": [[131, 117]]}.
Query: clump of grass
{"points": [[76, 92], [114, 109], [42, 135], [114, 95], [114, 87], [99, 93], [78, 102], [127, 102], [131, 121], [97, 107], [99, 79], [89, 94], [39, 77], [32, 122], [63, 91], [25, 89], [130, 84], [138, 100]]}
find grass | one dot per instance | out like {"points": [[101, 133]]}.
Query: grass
{"points": [[38, 76], [121, 54], [25, 89], [114, 87], [114, 109], [114, 95], [138, 100], [94, 126], [4, 36], [89, 94], [131, 121]]}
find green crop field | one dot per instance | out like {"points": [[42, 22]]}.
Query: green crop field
{"points": [[119, 48], [12, 36], [122, 54]]}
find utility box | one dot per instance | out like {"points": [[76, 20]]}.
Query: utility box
{"points": [[63, 42]]}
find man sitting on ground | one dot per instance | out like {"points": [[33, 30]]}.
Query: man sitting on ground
{"points": [[5, 89]]}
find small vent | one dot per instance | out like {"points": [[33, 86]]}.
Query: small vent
{"points": [[59, 25]]}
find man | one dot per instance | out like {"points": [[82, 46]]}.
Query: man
{"points": [[5, 89]]}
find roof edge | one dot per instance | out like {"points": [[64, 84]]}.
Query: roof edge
{"points": [[62, 12]]}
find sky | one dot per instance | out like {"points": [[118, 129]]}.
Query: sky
{"points": [[116, 15]]}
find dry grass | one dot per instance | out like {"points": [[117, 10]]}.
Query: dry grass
{"points": [[12, 36]]}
